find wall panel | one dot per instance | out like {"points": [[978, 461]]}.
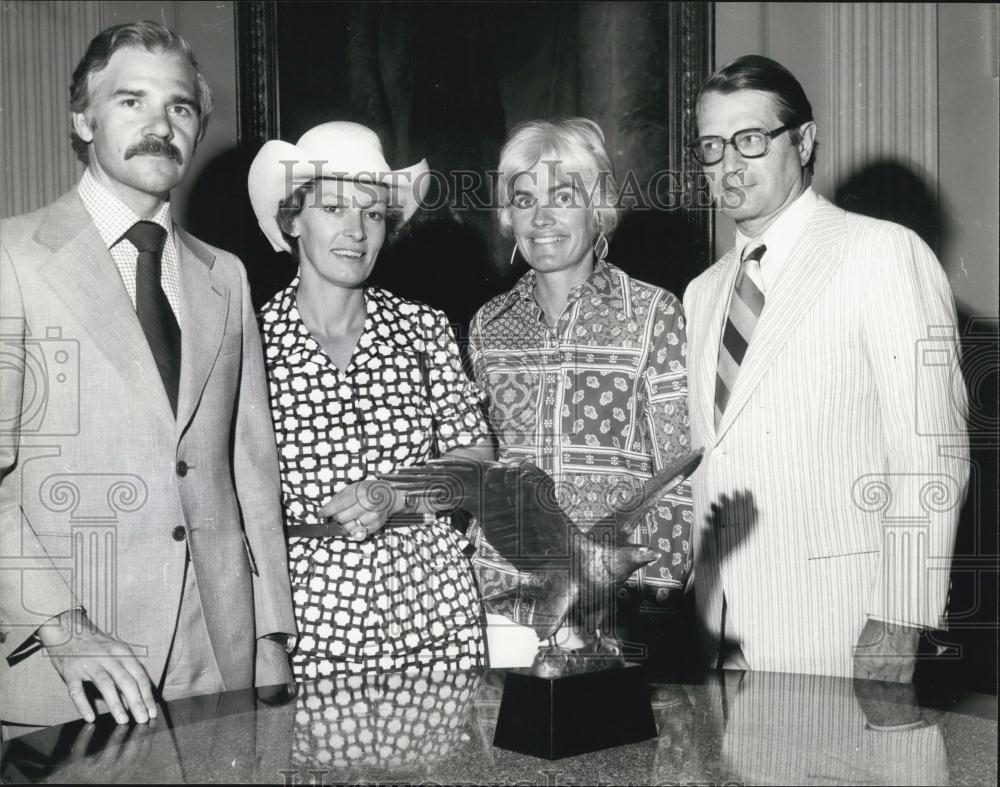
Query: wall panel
{"points": [[41, 44], [883, 60], [871, 73]]}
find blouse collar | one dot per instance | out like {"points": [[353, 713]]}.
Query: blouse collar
{"points": [[604, 280]]}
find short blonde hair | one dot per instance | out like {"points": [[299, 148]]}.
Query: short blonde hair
{"points": [[577, 144]]}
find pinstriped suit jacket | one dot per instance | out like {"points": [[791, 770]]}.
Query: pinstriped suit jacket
{"points": [[830, 491]]}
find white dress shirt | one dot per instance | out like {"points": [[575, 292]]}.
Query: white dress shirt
{"points": [[113, 218], [780, 238]]}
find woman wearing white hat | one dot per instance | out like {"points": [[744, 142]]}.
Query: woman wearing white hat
{"points": [[361, 382]]}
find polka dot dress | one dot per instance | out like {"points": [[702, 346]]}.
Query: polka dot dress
{"points": [[405, 596]]}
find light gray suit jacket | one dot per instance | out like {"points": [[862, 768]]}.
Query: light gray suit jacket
{"points": [[831, 489], [95, 506]]}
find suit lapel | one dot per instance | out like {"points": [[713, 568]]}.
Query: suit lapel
{"points": [[718, 292], [813, 261], [83, 276], [204, 311]]}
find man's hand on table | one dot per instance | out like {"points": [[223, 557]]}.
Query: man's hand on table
{"points": [[82, 653], [886, 651], [888, 705]]}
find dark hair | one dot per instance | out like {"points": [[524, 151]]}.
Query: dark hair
{"points": [[292, 205], [153, 37], [756, 72]]}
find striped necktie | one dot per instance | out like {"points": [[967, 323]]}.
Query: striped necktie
{"points": [[744, 310]]}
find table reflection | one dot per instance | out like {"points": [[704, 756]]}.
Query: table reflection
{"points": [[438, 727], [382, 724], [811, 729]]}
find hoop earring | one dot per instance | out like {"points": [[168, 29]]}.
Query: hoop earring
{"points": [[601, 247], [513, 254]]}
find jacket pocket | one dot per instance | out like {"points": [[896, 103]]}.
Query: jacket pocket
{"points": [[831, 532]]}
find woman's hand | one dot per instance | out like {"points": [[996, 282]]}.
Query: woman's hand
{"points": [[363, 507]]}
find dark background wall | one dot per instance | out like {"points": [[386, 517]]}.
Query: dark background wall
{"points": [[447, 82]]}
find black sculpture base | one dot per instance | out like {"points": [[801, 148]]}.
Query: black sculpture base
{"points": [[554, 718]]}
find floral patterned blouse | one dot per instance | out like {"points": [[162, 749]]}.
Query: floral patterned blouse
{"points": [[600, 403]]}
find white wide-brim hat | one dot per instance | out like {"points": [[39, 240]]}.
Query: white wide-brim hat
{"points": [[342, 150]]}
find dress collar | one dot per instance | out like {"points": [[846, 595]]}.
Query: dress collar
{"points": [[381, 309]]}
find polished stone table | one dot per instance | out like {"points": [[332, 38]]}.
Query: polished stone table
{"points": [[732, 727]]}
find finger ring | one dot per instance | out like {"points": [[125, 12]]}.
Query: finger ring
{"points": [[360, 525]]}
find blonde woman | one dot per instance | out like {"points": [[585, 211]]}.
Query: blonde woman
{"points": [[583, 367]]}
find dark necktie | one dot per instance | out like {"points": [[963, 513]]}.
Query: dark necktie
{"points": [[155, 315], [744, 310]]}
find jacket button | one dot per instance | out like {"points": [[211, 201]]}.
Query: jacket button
{"points": [[179, 534], [182, 468]]}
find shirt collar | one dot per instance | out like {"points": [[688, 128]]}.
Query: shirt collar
{"points": [[602, 280], [524, 287], [781, 237], [286, 309], [112, 217]]}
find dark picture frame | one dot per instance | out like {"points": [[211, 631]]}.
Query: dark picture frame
{"points": [[447, 81]]}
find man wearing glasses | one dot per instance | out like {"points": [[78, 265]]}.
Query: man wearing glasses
{"points": [[825, 389]]}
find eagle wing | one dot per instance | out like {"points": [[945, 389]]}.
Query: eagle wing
{"points": [[627, 516], [515, 505]]}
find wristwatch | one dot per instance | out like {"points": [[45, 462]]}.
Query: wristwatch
{"points": [[287, 641]]}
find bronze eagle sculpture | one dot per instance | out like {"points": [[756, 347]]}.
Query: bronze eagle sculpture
{"points": [[569, 576]]}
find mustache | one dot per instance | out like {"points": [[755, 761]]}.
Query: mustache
{"points": [[154, 146]]}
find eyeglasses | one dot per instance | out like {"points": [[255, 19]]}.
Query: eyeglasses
{"points": [[749, 143]]}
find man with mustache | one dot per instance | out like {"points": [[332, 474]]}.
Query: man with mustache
{"points": [[141, 545], [154, 146]]}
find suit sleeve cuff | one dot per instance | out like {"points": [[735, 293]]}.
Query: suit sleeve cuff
{"points": [[285, 640], [898, 622]]}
